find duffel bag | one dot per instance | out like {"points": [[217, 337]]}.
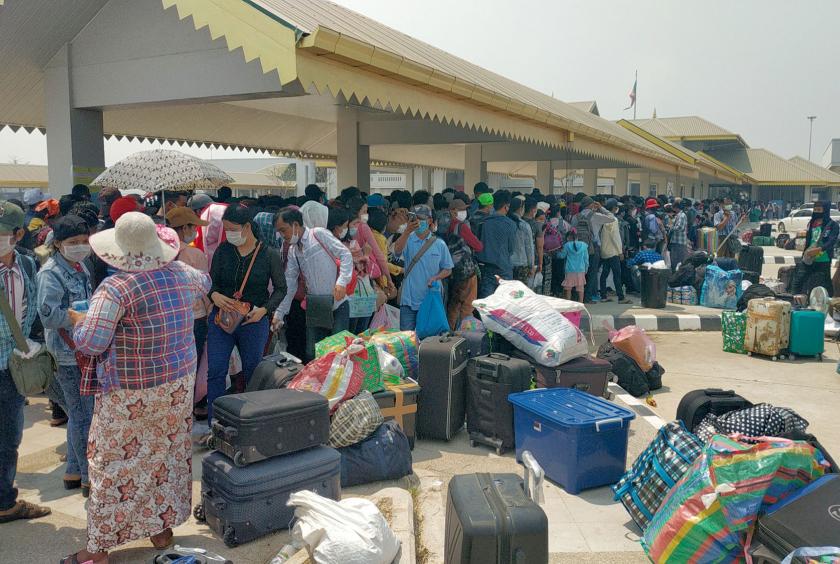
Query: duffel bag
{"points": [[656, 470], [630, 376], [385, 455], [760, 420], [355, 420]]}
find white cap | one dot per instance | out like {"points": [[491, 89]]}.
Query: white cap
{"points": [[33, 196], [544, 206]]}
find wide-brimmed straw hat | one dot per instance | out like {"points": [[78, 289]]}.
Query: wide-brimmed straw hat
{"points": [[133, 245]]}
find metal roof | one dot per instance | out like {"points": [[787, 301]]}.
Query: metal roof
{"points": [[764, 167], [23, 175], [684, 127], [590, 106], [816, 170]]}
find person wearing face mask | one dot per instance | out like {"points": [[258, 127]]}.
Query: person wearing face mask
{"points": [[63, 280], [241, 259], [361, 233], [186, 223], [815, 268], [327, 269], [463, 284], [428, 261]]}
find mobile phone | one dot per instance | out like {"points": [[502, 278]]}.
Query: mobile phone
{"points": [[412, 216]]}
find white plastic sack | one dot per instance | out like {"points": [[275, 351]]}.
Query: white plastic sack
{"points": [[530, 324], [388, 363], [660, 264], [350, 531]]}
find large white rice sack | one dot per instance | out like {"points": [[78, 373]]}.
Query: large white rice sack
{"points": [[531, 324]]}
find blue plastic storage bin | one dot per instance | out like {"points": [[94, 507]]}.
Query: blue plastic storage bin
{"points": [[579, 440]]}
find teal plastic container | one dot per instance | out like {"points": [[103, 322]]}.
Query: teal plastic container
{"points": [[807, 333]]}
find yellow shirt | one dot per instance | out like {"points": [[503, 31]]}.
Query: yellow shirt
{"points": [[383, 245]]}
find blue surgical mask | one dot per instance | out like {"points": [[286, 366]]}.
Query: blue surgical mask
{"points": [[353, 231], [423, 227]]}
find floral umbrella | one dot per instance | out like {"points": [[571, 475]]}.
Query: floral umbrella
{"points": [[162, 169]]}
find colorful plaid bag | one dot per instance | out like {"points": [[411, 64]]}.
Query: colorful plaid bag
{"points": [[355, 420], [707, 515], [653, 474], [683, 295], [334, 343], [733, 327], [400, 344]]}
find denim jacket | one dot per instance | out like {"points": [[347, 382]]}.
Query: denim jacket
{"points": [[59, 285]]}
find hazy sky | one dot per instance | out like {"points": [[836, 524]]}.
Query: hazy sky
{"points": [[756, 67]]}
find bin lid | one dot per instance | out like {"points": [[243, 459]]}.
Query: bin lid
{"points": [[569, 407]]}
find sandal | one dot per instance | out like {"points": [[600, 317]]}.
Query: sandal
{"points": [[163, 539], [24, 510], [74, 559]]}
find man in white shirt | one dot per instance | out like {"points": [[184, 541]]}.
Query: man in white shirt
{"points": [[327, 267]]}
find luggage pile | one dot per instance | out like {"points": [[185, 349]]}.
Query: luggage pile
{"points": [[773, 327], [631, 357], [714, 486]]}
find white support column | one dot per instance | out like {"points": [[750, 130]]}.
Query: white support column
{"points": [[74, 137], [352, 159], [422, 178], [621, 182], [590, 181], [475, 168], [545, 177], [644, 183], [409, 179], [807, 195], [438, 180], [304, 175]]}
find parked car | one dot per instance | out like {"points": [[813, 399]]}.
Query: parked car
{"points": [[799, 220]]}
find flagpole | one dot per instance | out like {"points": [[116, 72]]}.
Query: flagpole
{"points": [[636, 100]]}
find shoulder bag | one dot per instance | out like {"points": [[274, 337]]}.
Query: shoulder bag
{"points": [[229, 321], [32, 376], [426, 246], [319, 307]]}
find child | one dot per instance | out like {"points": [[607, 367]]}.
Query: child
{"points": [[576, 254]]}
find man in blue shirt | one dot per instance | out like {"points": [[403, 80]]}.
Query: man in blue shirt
{"points": [[498, 235], [427, 260]]}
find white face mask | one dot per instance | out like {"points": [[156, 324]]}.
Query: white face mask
{"points": [[342, 234], [295, 237], [76, 253], [191, 237], [363, 218], [235, 238], [6, 246], [461, 215]]}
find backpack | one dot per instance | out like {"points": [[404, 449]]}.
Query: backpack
{"points": [[584, 232], [753, 292], [462, 256], [552, 240]]}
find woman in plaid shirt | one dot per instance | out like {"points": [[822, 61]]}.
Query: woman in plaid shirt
{"points": [[140, 329]]}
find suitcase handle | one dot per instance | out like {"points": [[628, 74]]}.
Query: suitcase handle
{"points": [[499, 356], [717, 392], [226, 432], [534, 477], [607, 422], [583, 387]]}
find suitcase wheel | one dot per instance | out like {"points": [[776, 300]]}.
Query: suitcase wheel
{"points": [[749, 353], [500, 451], [229, 537], [211, 442], [820, 357], [774, 358], [472, 443], [199, 514], [792, 357], [239, 459]]}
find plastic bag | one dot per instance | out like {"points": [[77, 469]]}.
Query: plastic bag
{"points": [[350, 531], [635, 343], [471, 323], [335, 376], [721, 288], [431, 317], [536, 282], [530, 324], [386, 317], [392, 370]]}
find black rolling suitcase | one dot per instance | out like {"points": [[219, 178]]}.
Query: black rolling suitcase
{"points": [[492, 519], [443, 386], [275, 371], [490, 380], [253, 426], [695, 405], [765, 229], [751, 258], [809, 518], [478, 342], [241, 504]]}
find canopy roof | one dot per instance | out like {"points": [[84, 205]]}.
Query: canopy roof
{"points": [[590, 106], [829, 177], [319, 56], [23, 176], [763, 167]]}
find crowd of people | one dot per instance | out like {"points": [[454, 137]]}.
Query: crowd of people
{"points": [[128, 294]]}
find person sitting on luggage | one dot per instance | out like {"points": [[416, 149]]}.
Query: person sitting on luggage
{"points": [[427, 261], [815, 268], [576, 254], [647, 255]]}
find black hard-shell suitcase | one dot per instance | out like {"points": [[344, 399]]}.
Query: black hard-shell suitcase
{"points": [[241, 504], [490, 380], [491, 519], [385, 455], [253, 426], [751, 258], [478, 342], [809, 518], [765, 229], [695, 405], [275, 371], [585, 373], [443, 386]]}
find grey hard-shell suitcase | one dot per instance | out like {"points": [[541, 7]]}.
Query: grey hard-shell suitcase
{"points": [[253, 426], [242, 504], [275, 371], [494, 518], [490, 380], [442, 403]]}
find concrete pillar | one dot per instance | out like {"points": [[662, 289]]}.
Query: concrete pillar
{"points": [[332, 183], [590, 181], [304, 175], [74, 137], [438, 180], [545, 177], [621, 182], [475, 168], [409, 179], [422, 178], [352, 159], [644, 183]]}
